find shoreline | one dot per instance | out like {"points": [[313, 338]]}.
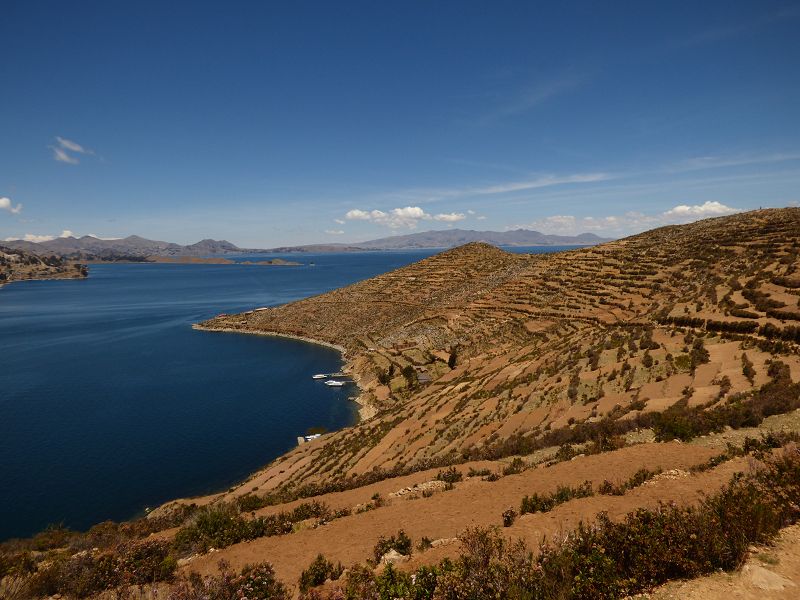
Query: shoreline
{"points": [[8, 282], [365, 410]]}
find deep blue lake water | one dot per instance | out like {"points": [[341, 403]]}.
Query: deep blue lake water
{"points": [[110, 402]]}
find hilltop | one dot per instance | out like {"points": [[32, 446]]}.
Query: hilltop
{"points": [[18, 265]]}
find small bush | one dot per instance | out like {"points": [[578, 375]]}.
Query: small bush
{"points": [[319, 571], [547, 502], [637, 479], [400, 543], [473, 472], [517, 466], [451, 475], [509, 516]]}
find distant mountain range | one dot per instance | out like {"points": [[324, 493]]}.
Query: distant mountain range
{"points": [[455, 237], [88, 247]]}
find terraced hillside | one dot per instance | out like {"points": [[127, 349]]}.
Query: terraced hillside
{"points": [[476, 353], [18, 265]]}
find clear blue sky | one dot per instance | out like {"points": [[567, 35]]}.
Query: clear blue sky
{"points": [[267, 123]]}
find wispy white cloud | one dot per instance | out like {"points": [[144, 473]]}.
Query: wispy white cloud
{"points": [[630, 222], [531, 97], [727, 31], [408, 216], [65, 151], [6, 204], [427, 195], [60, 155], [334, 231], [538, 182], [700, 163]]}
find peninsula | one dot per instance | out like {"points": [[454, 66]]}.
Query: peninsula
{"points": [[18, 265], [643, 386]]}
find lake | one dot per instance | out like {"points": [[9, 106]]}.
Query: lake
{"points": [[110, 402]]}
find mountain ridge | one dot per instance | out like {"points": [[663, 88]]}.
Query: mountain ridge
{"points": [[133, 246]]}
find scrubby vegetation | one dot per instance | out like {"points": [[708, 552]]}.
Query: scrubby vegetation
{"points": [[253, 582], [319, 571], [400, 543], [221, 525], [547, 502], [608, 559]]}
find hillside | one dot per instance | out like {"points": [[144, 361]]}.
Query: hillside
{"points": [[545, 341], [18, 265]]}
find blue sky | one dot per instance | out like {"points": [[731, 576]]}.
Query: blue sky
{"points": [[281, 123]]}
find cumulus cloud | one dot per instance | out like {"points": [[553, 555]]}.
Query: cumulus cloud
{"points": [[632, 221], [6, 204], [408, 216], [34, 237], [449, 217], [31, 237], [65, 151], [707, 209]]}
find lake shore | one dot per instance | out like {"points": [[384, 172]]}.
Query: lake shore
{"points": [[365, 410]]}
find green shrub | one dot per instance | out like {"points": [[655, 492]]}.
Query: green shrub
{"points": [[637, 479], [400, 543], [318, 572], [255, 582], [547, 502], [451, 475], [221, 525], [517, 466], [473, 472], [509, 516]]}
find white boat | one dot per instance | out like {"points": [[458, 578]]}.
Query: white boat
{"points": [[319, 376], [334, 383]]}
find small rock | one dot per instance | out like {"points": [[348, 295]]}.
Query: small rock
{"points": [[764, 579], [394, 557], [182, 562]]}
